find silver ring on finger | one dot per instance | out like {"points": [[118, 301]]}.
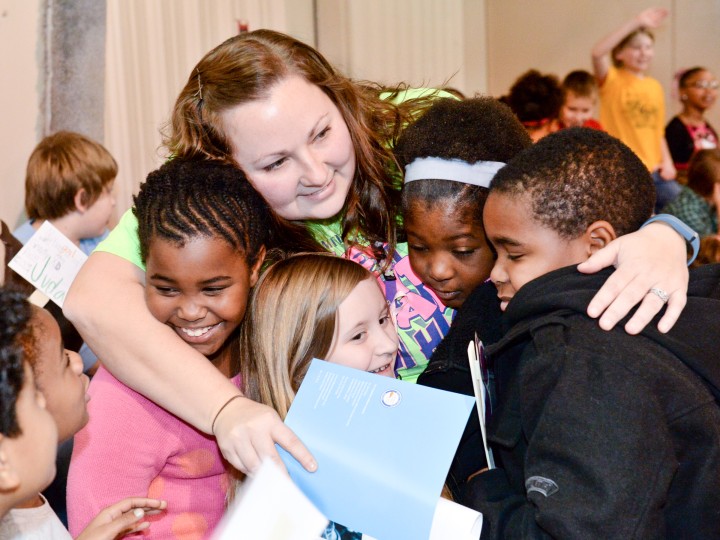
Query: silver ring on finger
{"points": [[662, 295]]}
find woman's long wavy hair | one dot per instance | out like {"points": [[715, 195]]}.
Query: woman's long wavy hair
{"points": [[291, 320], [244, 68]]}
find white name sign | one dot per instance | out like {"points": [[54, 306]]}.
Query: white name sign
{"points": [[50, 262]]}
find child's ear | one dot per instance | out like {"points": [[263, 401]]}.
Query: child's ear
{"points": [[255, 270], [9, 479], [599, 234], [81, 200]]}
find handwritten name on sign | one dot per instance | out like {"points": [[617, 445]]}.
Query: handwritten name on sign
{"points": [[50, 262]]}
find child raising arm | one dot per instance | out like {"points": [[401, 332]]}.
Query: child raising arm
{"points": [[632, 104]]}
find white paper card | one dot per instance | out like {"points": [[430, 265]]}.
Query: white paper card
{"points": [[50, 262], [474, 352], [453, 520], [269, 506]]}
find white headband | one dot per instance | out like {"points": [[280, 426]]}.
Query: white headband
{"points": [[457, 170]]}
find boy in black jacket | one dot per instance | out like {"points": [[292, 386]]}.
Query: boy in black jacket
{"points": [[599, 434]]}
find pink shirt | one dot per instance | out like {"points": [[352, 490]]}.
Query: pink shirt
{"points": [[130, 448]]}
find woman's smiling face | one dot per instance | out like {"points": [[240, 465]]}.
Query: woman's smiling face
{"points": [[295, 148]]}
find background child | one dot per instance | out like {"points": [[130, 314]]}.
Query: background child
{"points": [[536, 99], [202, 231], [689, 131], [698, 203], [709, 251], [632, 104], [28, 434], [60, 391], [69, 183], [580, 93], [314, 306], [598, 433]]}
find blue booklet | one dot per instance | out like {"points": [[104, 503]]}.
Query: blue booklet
{"points": [[383, 448]]}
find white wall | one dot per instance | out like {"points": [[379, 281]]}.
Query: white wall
{"points": [[19, 27], [418, 42]]}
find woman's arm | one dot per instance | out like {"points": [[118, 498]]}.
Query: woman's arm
{"points": [[106, 304], [654, 256]]}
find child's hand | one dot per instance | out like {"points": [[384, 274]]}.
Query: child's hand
{"points": [[652, 17], [122, 518], [667, 170]]}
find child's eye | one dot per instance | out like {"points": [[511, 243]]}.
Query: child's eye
{"points": [[359, 336], [274, 165], [213, 290], [322, 134], [415, 247], [165, 291], [384, 320], [67, 359], [463, 253], [514, 257]]}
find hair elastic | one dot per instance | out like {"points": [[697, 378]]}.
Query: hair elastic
{"points": [[480, 173]]}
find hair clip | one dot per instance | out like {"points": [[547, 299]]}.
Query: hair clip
{"points": [[199, 84]]}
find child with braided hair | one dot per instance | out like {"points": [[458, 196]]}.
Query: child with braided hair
{"points": [[202, 231]]}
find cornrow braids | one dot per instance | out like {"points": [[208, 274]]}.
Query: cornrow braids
{"points": [[15, 313], [191, 197]]}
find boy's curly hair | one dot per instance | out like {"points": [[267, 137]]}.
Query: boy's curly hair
{"points": [[476, 129], [577, 176], [15, 313]]}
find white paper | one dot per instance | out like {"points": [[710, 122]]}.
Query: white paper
{"points": [[269, 506], [50, 262], [455, 521], [480, 392]]}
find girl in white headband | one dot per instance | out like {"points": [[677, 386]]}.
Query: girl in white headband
{"points": [[449, 156]]}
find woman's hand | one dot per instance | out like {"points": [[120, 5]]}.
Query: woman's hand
{"points": [[654, 256], [246, 432], [122, 518]]}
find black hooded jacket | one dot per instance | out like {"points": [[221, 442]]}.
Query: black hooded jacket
{"points": [[602, 434]]}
